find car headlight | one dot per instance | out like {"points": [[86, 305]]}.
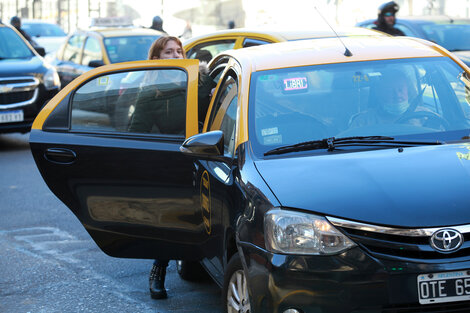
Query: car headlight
{"points": [[292, 232], [51, 79]]}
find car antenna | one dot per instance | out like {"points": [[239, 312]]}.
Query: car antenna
{"points": [[347, 52]]}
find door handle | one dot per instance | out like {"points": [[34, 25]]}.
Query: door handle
{"points": [[60, 155]]}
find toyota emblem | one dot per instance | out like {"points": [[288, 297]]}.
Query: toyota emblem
{"points": [[446, 240]]}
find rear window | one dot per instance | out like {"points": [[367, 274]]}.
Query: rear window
{"points": [[12, 46], [132, 48]]}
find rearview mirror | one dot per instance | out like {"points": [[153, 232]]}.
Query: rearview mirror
{"points": [[40, 50], [96, 63], [204, 145]]}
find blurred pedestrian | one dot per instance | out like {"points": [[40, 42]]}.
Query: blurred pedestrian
{"points": [[386, 19], [231, 24], [157, 24], [16, 22], [188, 31]]}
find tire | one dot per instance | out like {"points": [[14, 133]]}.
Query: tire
{"points": [[191, 270], [235, 293]]}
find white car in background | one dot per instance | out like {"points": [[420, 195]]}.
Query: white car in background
{"points": [[48, 35]]}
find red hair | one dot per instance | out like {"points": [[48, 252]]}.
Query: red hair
{"points": [[159, 44]]}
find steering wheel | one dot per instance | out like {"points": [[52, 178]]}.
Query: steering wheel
{"points": [[430, 119]]}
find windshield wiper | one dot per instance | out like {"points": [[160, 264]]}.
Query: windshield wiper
{"points": [[332, 142]]}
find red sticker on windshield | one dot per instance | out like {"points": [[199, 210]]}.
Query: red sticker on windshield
{"points": [[296, 83]]}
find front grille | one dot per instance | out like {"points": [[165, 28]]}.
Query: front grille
{"points": [[454, 307], [18, 91], [15, 97], [396, 243]]}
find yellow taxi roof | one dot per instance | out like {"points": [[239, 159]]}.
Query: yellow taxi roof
{"points": [[125, 31], [331, 50], [284, 35]]}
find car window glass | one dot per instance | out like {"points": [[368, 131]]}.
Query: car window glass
{"points": [[152, 101], [130, 48], [453, 37], [91, 51], [250, 42], [73, 48], [12, 46], [224, 114], [406, 30], [206, 51], [225, 94]]}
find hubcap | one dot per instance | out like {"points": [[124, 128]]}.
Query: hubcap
{"points": [[237, 295]]}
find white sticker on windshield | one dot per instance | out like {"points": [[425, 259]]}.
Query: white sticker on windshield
{"points": [[269, 131], [272, 140]]}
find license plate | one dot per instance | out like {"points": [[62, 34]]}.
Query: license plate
{"points": [[444, 287], [11, 116]]}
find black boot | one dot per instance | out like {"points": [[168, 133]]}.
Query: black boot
{"points": [[157, 282]]}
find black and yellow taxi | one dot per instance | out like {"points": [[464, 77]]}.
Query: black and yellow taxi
{"points": [[205, 47], [100, 45], [328, 176]]}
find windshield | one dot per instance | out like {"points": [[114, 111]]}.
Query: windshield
{"points": [[453, 37], [132, 48], [43, 30], [12, 46], [423, 98]]}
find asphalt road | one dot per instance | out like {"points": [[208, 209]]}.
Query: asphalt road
{"points": [[49, 263]]}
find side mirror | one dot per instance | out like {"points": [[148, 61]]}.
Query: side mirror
{"points": [[96, 63], [204, 145], [40, 50]]}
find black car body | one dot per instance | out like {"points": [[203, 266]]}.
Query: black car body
{"points": [[450, 33], [286, 203], [27, 82]]}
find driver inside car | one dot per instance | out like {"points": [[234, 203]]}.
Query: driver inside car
{"points": [[395, 104]]}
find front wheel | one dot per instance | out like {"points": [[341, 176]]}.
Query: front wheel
{"points": [[235, 292]]}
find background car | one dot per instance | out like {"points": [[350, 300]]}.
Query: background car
{"points": [[450, 33], [27, 82], [45, 34], [87, 49], [289, 205], [207, 46]]}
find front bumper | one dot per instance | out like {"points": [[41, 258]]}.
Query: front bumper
{"points": [[350, 282], [30, 111]]}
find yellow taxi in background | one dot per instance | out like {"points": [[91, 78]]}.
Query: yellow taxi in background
{"points": [[207, 46], [324, 179], [87, 49]]}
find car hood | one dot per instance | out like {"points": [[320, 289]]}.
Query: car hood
{"points": [[464, 56], [419, 187], [19, 67]]}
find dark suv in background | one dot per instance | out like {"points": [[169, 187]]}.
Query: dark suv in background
{"points": [[27, 82]]}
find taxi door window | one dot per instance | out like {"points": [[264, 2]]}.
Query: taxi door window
{"points": [[146, 102], [224, 114], [73, 48], [91, 51], [250, 42]]}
